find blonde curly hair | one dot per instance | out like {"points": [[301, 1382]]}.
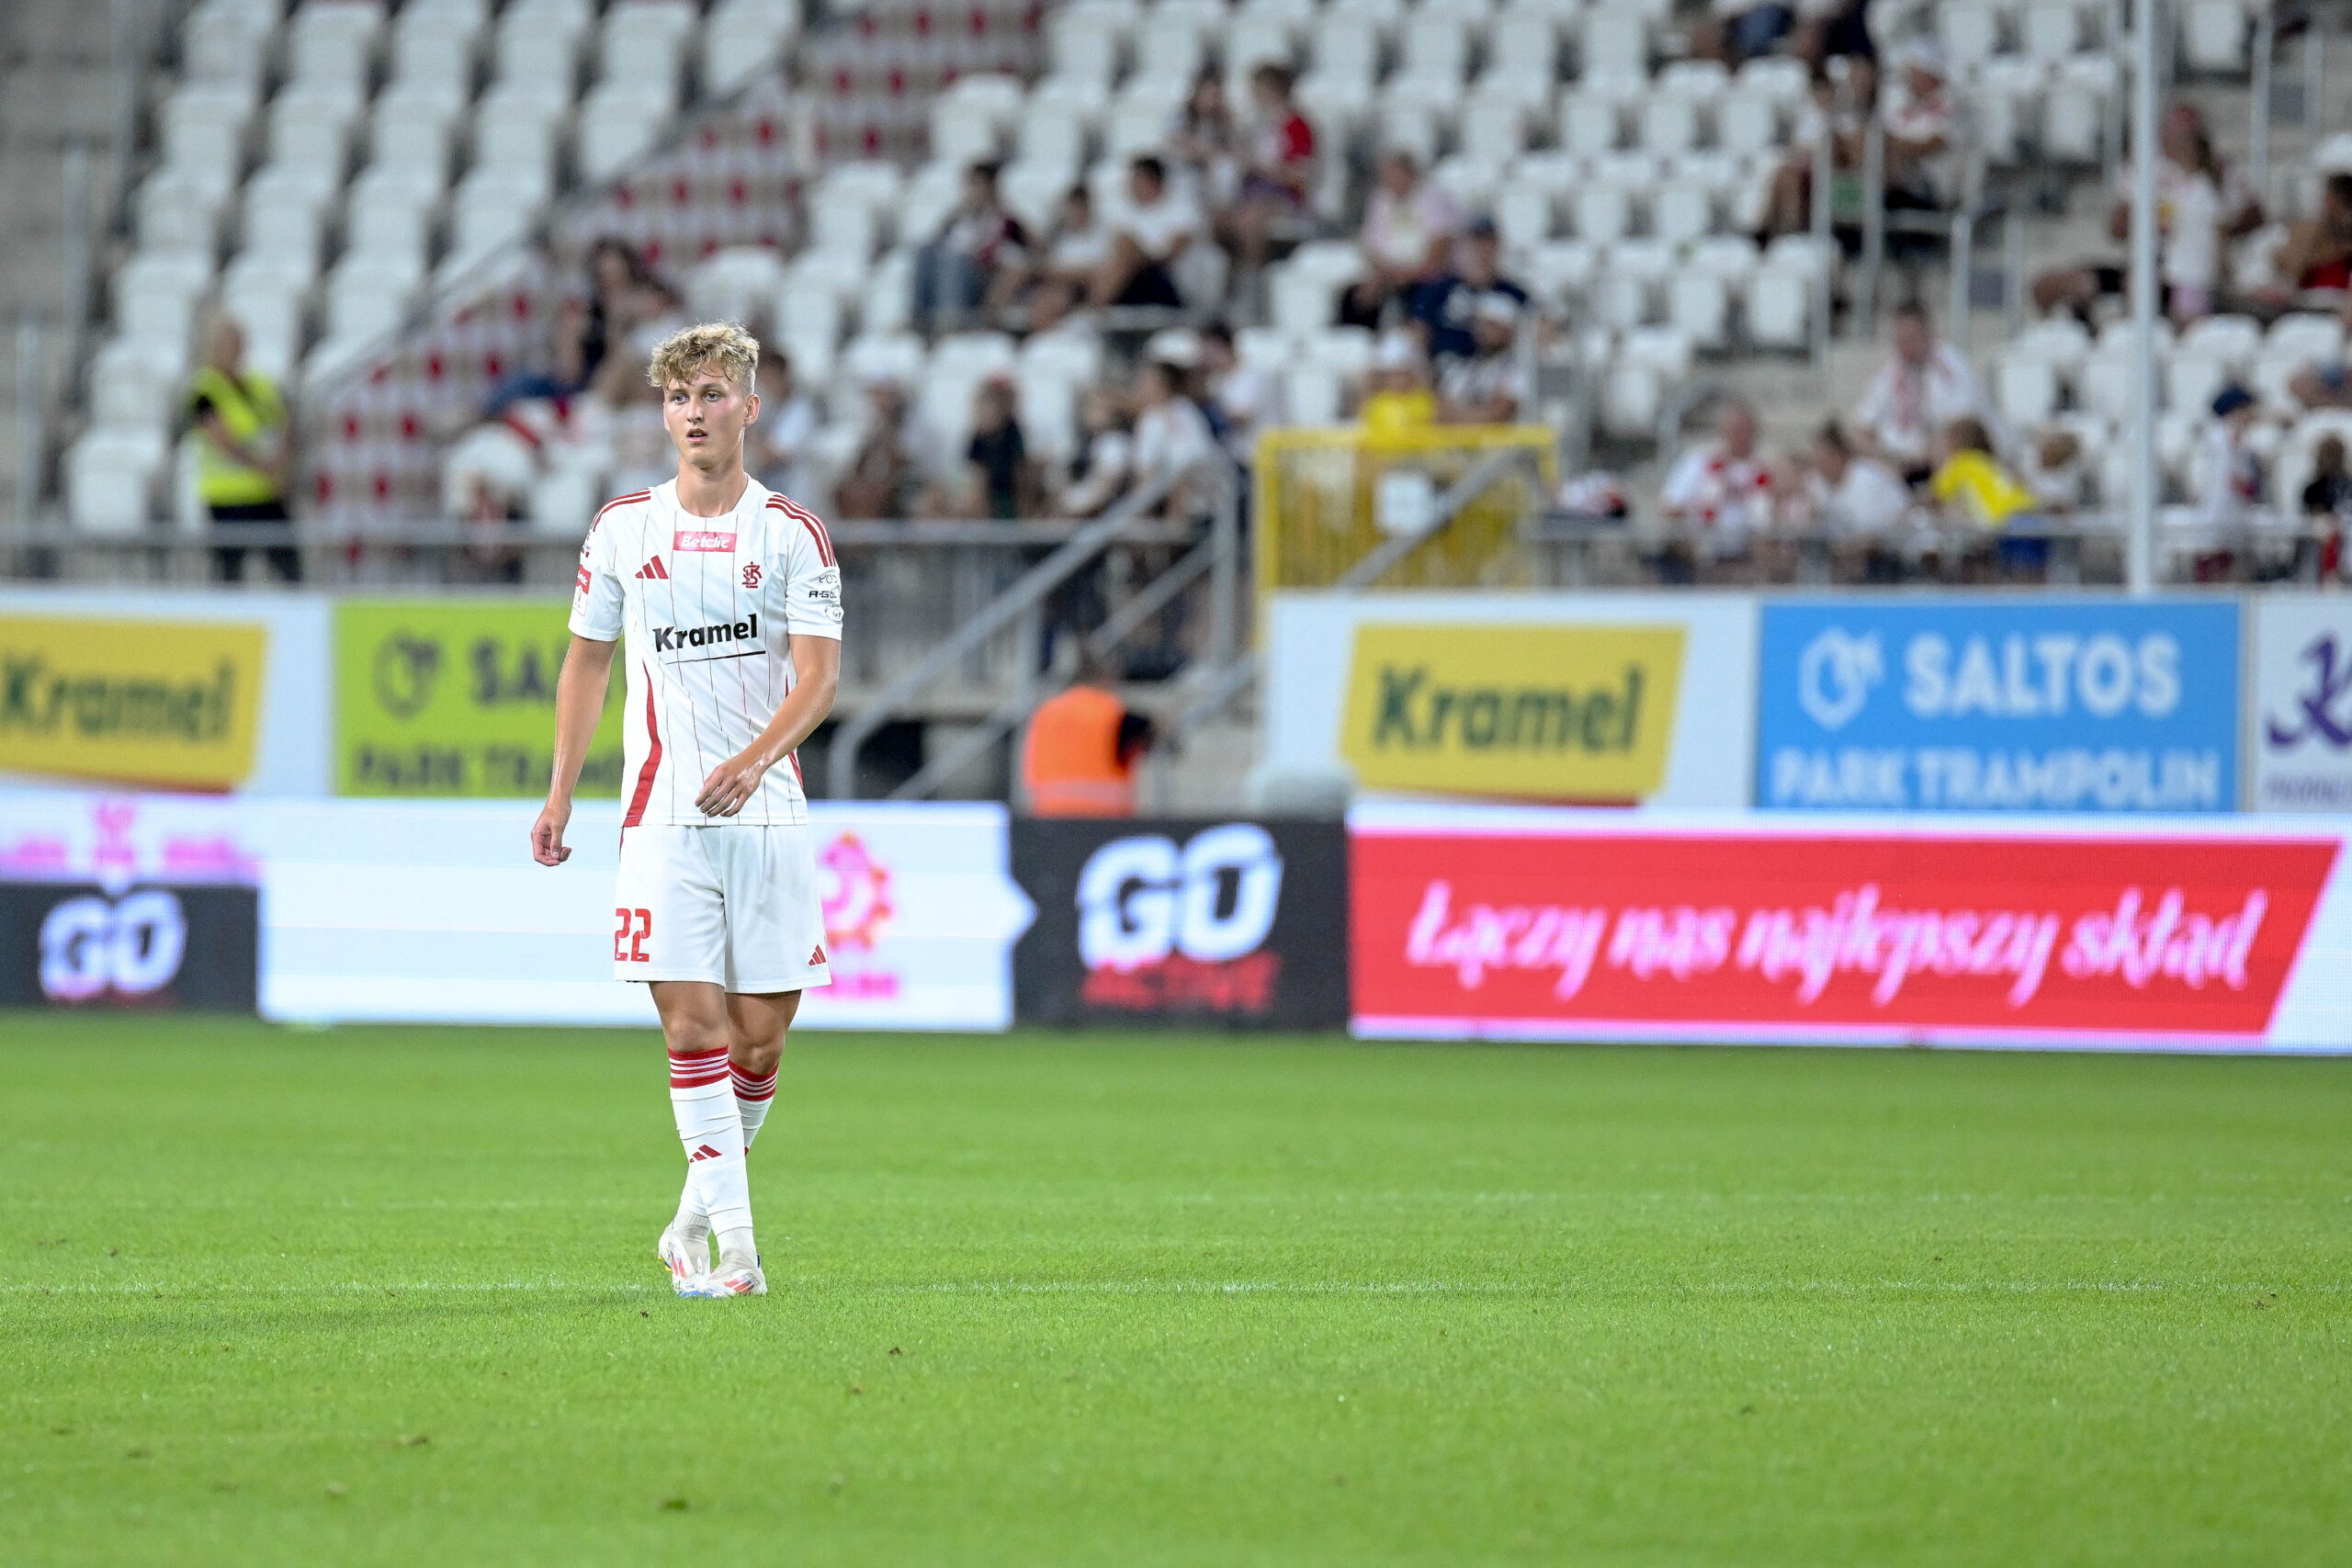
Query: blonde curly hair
{"points": [[721, 347]]}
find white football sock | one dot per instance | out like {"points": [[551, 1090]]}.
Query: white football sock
{"points": [[712, 1132], [753, 1098]]}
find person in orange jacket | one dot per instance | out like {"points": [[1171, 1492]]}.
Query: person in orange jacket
{"points": [[1079, 758]]}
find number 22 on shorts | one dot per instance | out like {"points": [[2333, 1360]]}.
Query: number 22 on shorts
{"points": [[635, 926]]}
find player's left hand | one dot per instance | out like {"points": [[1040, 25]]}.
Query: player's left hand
{"points": [[731, 785]]}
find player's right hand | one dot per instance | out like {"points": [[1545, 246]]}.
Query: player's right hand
{"points": [[547, 835]]}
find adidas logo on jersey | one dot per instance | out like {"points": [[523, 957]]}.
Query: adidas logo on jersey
{"points": [[654, 569], [817, 956]]}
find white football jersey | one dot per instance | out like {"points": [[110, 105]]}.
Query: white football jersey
{"points": [[707, 605]]}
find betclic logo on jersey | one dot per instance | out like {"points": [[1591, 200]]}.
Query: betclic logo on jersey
{"points": [[1186, 921]]}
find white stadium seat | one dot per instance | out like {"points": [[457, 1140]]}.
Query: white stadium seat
{"points": [[110, 477], [619, 123]]}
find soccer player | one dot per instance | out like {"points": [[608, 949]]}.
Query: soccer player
{"points": [[731, 605]]}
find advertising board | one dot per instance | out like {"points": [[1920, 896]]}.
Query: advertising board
{"points": [[1193, 923], [2300, 704], [2084, 932], [1998, 705], [433, 911], [165, 704], [455, 697], [1591, 699]]}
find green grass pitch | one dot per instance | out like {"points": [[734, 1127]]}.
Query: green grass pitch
{"points": [[377, 1296]]}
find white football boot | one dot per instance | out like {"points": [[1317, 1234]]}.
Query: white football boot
{"points": [[736, 1275], [685, 1248]]}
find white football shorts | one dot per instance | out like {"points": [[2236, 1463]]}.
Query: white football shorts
{"points": [[735, 905]]}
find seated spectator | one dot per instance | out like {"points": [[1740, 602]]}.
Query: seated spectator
{"points": [[1103, 460], [999, 481], [883, 479], [1970, 482], [1279, 173], [2227, 469], [1396, 393], [784, 438], [1721, 487], [1240, 398], [1447, 309], [1838, 109], [1922, 387], [1489, 385], [622, 300], [1922, 117], [1053, 278], [2200, 202], [2055, 469], [1146, 240], [1172, 436], [1204, 145], [2316, 255], [1851, 495], [2327, 500], [955, 271], [1410, 227]]}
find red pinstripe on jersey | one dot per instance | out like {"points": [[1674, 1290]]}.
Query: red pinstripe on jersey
{"points": [[652, 760], [807, 520]]}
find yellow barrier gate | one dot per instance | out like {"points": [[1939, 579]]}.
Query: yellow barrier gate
{"points": [[1325, 499]]}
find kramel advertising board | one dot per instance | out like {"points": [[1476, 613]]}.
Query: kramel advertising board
{"points": [[1242, 923]]}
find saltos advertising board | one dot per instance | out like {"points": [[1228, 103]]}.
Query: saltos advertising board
{"points": [[2302, 704], [434, 911], [1595, 699], [452, 697], [1197, 922], [1527, 924], [2003, 704]]}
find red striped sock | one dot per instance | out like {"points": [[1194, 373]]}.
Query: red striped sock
{"points": [[713, 1135], [753, 1097]]}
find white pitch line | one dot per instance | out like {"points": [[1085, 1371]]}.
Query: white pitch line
{"points": [[1215, 1287]]}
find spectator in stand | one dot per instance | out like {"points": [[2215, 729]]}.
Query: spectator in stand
{"points": [[1922, 116], [1409, 227], [2055, 471], [1204, 144], [1970, 481], [784, 438], [999, 479], [2227, 470], [2316, 255], [623, 296], [2202, 202], [1073, 256], [1838, 108], [1241, 399], [1922, 388], [1146, 242], [241, 430], [1833, 29], [1851, 496], [1271, 206], [1489, 385], [1723, 487], [1734, 30], [883, 479], [2327, 502], [1397, 394], [1447, 309], [1172, 436], [954, 273], [1103, 460]]}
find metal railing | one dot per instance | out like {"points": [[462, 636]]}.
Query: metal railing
{"points": [[1011, 624], [1223, 686], [2082, 547]]}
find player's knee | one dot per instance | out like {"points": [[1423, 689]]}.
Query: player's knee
{"points": [[757, 1056], [699, 1037]]}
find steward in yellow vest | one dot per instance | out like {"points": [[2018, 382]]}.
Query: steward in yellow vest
{"points": [[240, 427]]}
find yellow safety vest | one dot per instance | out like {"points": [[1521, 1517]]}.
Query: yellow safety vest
{"points": [[248, 408]]}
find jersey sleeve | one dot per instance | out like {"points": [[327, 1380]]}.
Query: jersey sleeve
{"points": [[812, 587], [597, 591]]}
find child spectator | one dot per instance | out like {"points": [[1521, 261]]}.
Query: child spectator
{"points": [[1397, 394], [999, 475]]}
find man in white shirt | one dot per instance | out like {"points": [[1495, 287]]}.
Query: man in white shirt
{"points": [[1147, 238], [1852, 497], [1921, 389], [1723, 487], [731, 604]]}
